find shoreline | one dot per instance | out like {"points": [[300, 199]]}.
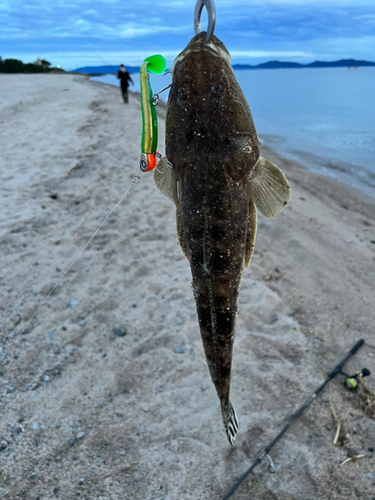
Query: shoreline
{"points": [[134, 413]]}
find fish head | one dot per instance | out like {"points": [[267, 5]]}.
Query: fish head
{"points": [[208, 117]]}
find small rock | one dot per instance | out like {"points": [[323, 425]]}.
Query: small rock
{"points": [[134, 305], [119, 332], [35, 426], [32, 476], [369, 475], [371, 449], [46, 378], [3, 446], [179, 350], [80, 435], [82, 480], [203, 387], [73, 303], [64, 328], [161, 463], [122, 453], [9, 388], [83, 322], [351, 453], [71, 442]]}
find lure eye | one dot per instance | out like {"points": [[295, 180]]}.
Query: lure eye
{"points": [[218, 89]]}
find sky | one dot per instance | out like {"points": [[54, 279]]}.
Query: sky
{"points": [[80, 33]]}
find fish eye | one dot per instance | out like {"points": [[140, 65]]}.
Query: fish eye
{"points": [[218, 89], [183, 93]]}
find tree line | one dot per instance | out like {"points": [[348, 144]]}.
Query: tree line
{"points": [[16, 66]]}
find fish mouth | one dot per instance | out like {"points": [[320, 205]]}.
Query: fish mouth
{"points": [[197, 44]]}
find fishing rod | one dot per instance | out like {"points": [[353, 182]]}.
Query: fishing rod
{"points": [[333, 374]]}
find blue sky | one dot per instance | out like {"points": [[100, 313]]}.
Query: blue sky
{"points": [[96, 32]]}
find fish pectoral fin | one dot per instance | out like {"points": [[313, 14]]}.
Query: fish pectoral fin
{"points": [[180, 232], [165, 180], [251, 233], [269, 188]]}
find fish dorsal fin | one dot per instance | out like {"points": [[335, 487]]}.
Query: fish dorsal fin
{"points": [[251, 233], [269, 188], [166, 180]]}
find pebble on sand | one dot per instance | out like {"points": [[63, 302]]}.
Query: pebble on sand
{"points": [[119, 332], [80, 435]]}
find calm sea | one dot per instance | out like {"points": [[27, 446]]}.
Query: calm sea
{"points": [[324, 117]]}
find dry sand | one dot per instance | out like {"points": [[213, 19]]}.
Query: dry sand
{"points": [[150, 416]]}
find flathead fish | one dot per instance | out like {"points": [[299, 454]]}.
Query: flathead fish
{"points": [[214, 174]]}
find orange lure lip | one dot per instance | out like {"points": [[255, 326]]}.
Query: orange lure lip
{"points": [[148, 162]]}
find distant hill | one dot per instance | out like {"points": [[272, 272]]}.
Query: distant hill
{"points": [[267, 65], [336, 64], [106, 69], [343, 63]]}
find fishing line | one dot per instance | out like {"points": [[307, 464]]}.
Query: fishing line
{"points": [[149, 154], [333, 373], [134, 181]]}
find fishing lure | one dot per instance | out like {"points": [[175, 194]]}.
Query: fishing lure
{"points": [[155, 64]]}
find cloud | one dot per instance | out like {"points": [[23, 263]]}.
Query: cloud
{"points": [[267, 54], [257, 30]]}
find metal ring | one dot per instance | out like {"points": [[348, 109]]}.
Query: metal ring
{"points": [[211, 11]]}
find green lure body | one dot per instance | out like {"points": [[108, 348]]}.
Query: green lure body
{"points": [[154, 64]]}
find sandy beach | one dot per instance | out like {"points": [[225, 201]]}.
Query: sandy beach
{"points": [[106, 393]]}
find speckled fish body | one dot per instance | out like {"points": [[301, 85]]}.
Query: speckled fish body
{"points": [[213, 147]]}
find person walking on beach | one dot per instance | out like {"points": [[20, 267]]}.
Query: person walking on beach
{"points": [[124, 78]]}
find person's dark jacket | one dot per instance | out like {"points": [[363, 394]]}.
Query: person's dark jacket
{"points": [[125, 79]]}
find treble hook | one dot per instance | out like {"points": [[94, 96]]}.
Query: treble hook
{"points": [[211, 11]]}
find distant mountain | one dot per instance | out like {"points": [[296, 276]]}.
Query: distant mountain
{"points": [[105, 69], [267, 65], [317, 64], [338, 64]]}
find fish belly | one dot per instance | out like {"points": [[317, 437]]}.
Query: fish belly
{"points": [[214, 214]]}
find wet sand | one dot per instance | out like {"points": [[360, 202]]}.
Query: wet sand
{"points": [[144, 401]]}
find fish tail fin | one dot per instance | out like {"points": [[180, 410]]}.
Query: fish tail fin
{"points": [[230, 422]]}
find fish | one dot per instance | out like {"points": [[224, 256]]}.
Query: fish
{"points": [[215, 176]]}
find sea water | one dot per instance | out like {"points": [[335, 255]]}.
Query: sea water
{"points": [[323, 117]]}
